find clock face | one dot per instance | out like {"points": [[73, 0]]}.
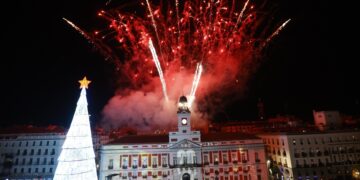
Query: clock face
{"points": [[184, 121]]}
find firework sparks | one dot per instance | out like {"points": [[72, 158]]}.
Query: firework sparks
{"points": [[195, 83], [226, 36], [101, 47], [276, 32], [158, 67]]}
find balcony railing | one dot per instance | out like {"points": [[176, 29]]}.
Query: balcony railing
{"points": [[144, 166], [235, 162], [124, 167], [134, 166], [185, 165], [164, 165], [154, 166]]}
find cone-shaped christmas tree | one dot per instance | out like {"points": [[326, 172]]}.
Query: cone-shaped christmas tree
{"points": [[77, 157]]}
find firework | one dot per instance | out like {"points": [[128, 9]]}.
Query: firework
{"points": [[276, 32], [158, 66], [195, 83], [226, 36]]}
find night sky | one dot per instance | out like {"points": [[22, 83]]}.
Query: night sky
{"points": [[310, 65]]}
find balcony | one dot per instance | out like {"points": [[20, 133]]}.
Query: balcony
{"points": [[154, 166], [124, 167], [244, 161], [185, 165], [144, 166], [216, 163], [144, 176], [206, 163], [164, 175], [110, 167], [134, 166], [235, 162], [257, 160], [154, 175], [225, 162], [164, 165], [134, 177]]}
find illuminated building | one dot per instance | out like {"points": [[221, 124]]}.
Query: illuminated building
{"points": [[184, 154], [313, 155]]}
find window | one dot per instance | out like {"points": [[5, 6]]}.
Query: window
{"points": [[22, 170], [52, 161], [233, 156], [30, 161], [15, 170], [50, 170], [225, 158], [175, 160], [36, 170], [40, 144], [256, 156], [185, 160], [44, 162], [294, 142], [25, 152], [43, 170], [206, 159], [39, 152], [47, 143], [46, 152], [54, 143], [259, 177], [194, 160], [163, 160], [277, 141], [29, 170], [20, 144], [154, 161], [16, 161], [38, 161], [23, 161], [111, 164], [34, 143], [32, 152], [53, 152], [27, 143]]}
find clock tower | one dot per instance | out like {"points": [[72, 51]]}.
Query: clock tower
{"points": [[184, 124], [183, 114]]}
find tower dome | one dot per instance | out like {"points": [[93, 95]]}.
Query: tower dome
{"points": [[183, 99], [183, 104]]}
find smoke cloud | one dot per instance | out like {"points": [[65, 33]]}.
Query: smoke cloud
{"points": [[146, 110]]}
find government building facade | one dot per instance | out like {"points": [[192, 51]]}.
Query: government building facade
{"points": [[184, 155]]}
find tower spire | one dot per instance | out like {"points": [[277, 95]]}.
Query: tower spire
{"points": [[77, 157]]}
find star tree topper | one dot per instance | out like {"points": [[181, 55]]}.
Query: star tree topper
{"points": [[84, 83]]}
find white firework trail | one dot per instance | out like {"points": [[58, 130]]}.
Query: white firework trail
{"points": [[154, 25], [238, 21], [158, 67], [275, 33], [195, 84]]}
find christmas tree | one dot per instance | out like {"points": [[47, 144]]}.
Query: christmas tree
{"points": [[77, 157]]}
